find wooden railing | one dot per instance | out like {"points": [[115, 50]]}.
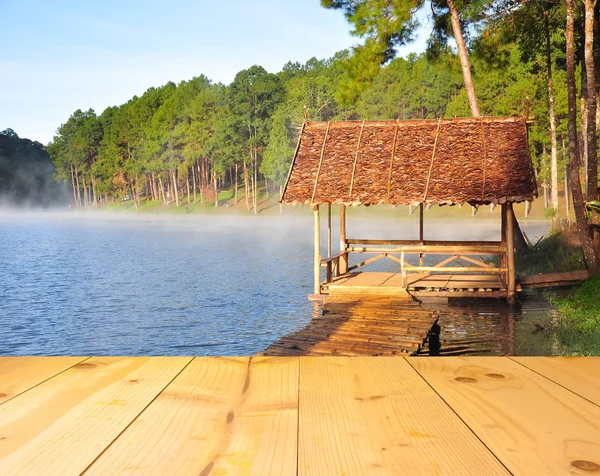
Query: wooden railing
{"points": [[396, 250]]}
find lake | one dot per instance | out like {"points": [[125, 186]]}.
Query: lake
{"points": [[133, 284]]}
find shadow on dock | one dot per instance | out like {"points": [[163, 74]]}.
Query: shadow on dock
{"points": [[368, 325]]}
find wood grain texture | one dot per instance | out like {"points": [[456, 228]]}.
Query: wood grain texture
{"points": [[581, 375], [62, 425], [377, 416], [219, 416], [18, 374], [531, 424]]}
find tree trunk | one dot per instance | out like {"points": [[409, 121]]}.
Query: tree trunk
{"points": [[194, 180], [280, 204], [589, 254], [187, 183], [173, 175], [592, 156], [94, 191], [162, 191], [583, 144], [133, 195], [85, 195], [78, 188], [255, 183], [554, 150], [236, 184], [216, 187], [267, 187], [464, 59], [74, 188], [247, 186]]}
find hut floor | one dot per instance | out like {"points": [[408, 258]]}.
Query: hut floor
{"points": [[361, 324], [432, 285]]}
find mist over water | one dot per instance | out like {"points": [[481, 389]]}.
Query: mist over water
{"points": [[131, 284]]}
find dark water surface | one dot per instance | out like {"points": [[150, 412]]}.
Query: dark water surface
{"points": [[103, 284]]}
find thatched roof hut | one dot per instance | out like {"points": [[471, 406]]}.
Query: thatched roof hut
{"points": [[442, 162]]}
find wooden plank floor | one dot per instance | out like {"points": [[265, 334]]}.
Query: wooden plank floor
{"points": [[544, 280], [360, 324], [434, 285], [300, 415]]}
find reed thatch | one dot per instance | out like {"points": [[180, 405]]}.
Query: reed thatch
{"points": [[442, 162]]}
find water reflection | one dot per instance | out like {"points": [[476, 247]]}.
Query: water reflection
{"points": [[492, 327]]}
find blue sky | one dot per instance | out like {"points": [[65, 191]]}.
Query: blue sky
{"points": [[61, 56]]}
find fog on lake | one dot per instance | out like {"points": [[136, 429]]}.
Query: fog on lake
{"points": [[133, 284]]}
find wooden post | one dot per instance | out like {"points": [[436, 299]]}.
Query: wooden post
{"points": [[510, 243], [317, 250], [328, 230], [421, 222], [343, 265], [503, 257]]}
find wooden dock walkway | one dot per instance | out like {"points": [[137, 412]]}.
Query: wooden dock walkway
{"points": [[299, 415], [546, 280], [356, 324]]}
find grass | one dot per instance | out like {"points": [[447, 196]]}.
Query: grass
{"points": [[557, 253], [578, 328]]}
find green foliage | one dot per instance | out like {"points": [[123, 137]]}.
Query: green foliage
{"points": [[579, 319], [204, 133], [553, 254], [278, 153], [26, 173]]}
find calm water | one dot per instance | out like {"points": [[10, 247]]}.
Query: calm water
{"points": [[103, 284]]}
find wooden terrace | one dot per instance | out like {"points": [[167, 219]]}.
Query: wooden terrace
{"points": [[299, 415]]}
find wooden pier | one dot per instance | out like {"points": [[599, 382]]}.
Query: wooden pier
{"points": [[299, 415], [361, 324], [546, 280]]}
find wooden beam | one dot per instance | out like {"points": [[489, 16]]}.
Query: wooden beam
{"points": [[356, 160], [510, 243], [287, 180], [440, 249], [421, 222], [317, 267], [320, 163], [329, 229], [343, 259], [354, 241]]}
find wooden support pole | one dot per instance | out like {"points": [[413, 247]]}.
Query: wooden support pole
{"points": [[343, 267], [510, 243], [317, 249], [503, 257], [421, 222], [329, 229]]}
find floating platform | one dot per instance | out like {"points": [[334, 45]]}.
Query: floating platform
{"points": [[299, 415], [361, 324]]}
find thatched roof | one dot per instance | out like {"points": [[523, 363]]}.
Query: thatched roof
{"points": [[443, 162]]}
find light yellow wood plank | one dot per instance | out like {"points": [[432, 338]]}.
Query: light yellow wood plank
{"points": [[220, 416], [62, 425], [531, 424], [579, 374], [18, 374], [377, 416]]}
